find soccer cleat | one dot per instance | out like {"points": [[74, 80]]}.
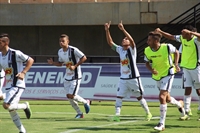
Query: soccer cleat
{"points": [[185, 117], [159, 127], [28, 111], [116, 118], [87, 107], [78, 116], [148, 117]]}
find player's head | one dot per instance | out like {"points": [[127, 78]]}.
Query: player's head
{"points": [[4, 41], [126, 42], [64, 40], [190, 28], [154, 38]]}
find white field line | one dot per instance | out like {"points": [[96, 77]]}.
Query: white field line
{"points": [[117, 123], [92, 127]]}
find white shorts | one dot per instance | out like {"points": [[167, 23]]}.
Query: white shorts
{"points": [[165, 83], [13, 95], [130, 87], [191, 78], [72, 86]]}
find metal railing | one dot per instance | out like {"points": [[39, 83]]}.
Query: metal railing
{"points": [[191, 16]]}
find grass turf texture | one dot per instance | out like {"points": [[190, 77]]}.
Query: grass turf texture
{"points": [[58, 117]]}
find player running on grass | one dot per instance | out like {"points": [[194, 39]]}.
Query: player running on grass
{"points": [[72, 58], [159, 61], [190, 62], [11, 61], [130, 82]]}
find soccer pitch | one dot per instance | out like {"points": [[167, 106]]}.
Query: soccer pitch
{"points": [[58, 117]]}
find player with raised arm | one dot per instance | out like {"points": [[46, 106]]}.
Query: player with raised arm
{"points": [[190, 62], [72, 58], [11, 61], [130, 82]]}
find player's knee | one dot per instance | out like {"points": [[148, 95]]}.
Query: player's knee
{"points": [[6, 106], [70, 96]]}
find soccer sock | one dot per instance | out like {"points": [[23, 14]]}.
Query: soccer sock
{"points": [[175, 102], [187, 101], [163, 112], [80, 99], [144, 105], [75, 106], [17, 106], [118, 105], [16, 119]]}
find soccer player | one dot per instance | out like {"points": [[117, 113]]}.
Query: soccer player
{"points": [[130, 82], [190, 62], [72, 58], [11, 61], [159, 62]]}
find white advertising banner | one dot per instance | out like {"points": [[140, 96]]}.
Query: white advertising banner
{"points": [[99, 82]]}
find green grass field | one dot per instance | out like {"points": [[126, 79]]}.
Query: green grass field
{"points": [[58, 117]]}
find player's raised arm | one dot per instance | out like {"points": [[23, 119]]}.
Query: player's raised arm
{"points": [[121, 27], [165, 34], [192, 33], [108, 36]]}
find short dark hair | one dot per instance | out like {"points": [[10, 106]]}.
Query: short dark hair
{"points": [[4, 35], [190, 27], [156, 35], [64, 35]]}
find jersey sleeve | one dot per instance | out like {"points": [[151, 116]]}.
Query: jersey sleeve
{"points": [[21, 57], [172, 49], [197, 42], [116, 47], [78, 53], [177, 38], [146, 59], [180, 49]]}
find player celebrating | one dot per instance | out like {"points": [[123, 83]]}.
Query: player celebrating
{"points": [[130, 82], [159, 61], [72, 58], [190, 62], [11, 61]]}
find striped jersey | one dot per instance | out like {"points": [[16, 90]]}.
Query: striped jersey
{"points": [[128, 66], [69, 58], [12, 64]]}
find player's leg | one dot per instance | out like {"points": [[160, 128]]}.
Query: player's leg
{"points": [[11, 103], [164, 85], [138, 91], [121, 93], [74, 104], [75, 89], [195, 74], [187, 83]]}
